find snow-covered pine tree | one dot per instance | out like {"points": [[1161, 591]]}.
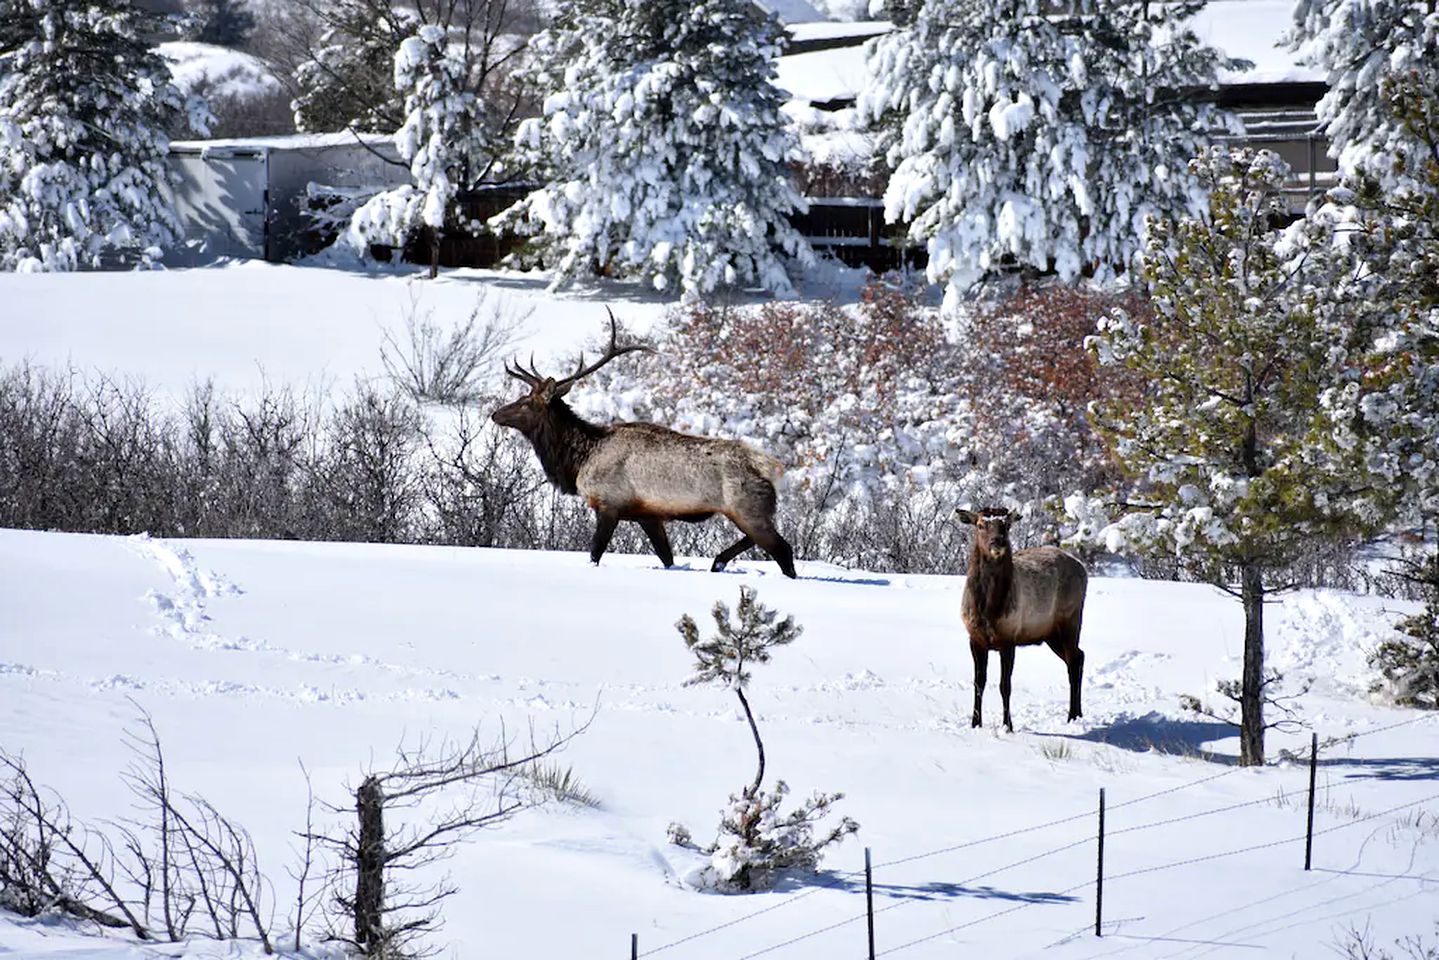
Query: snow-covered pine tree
{"points": [[1236, 446], [435, 141], [347, 80], [1023, 134], [1373, 51], [663, 147], [85, 104]]}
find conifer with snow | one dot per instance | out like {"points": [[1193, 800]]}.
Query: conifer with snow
{"points": [[663, 147], [85, 103], [1377, 54], [1238, 447], [435, 141], [347, 80], [756, 842], [1021, 134]]}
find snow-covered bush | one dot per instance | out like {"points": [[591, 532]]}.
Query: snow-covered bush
{"points": [[662, 146], [1031, 384], [1021, 133], [85, 103], [756, 841]]}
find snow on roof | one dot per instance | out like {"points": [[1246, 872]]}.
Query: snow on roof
{"points": [[831, 30], [792, 11], [1253, 30], [823, 75], [217, 71], [294, 141]]}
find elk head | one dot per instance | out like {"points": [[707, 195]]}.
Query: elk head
{"points": [[991, 531], [528, 412]]}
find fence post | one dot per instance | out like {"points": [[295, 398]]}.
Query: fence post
{"points": [[1099, 877], [634, 946], [869, 900], [1309, 831]]}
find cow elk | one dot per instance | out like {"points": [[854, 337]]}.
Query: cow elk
{"points": [[1014, 599], [645, 472]]}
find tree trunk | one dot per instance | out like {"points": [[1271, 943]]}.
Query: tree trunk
{"points": [[434, 252], [370, 868], [1251, 694], [758, 744]]}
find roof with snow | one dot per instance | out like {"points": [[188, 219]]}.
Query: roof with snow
{"points": [[294, 141]]}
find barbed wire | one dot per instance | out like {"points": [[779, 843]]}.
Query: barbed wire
{"points": [[846, 877]]}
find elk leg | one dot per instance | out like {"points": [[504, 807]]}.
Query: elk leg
{"points": [[764, 534], [730, 552], [1065, 644], [1006, 673], [655, 529], [605, 523], [981, 676]]}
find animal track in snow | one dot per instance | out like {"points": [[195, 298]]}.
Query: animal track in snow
{"points": [[184, 617]]}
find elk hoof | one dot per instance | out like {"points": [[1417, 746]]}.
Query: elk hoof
{"points": [[974, 724], [717, 567]]}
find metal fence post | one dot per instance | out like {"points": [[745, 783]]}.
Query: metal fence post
{"points": [[1309, 831], [1099, 876], [869, 900]]}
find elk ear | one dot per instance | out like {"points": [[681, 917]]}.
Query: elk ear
{"points": [[966, 516]]}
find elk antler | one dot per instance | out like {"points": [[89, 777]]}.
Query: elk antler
{"points": [[530, 377], [611, 352]]}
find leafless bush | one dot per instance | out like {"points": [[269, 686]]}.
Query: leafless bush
{"points": [[451, 366], [180, 869], [194, 867], [50, 863]]}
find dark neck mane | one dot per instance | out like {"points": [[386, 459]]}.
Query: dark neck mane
{"points": [[564, 441], [990, 580]]}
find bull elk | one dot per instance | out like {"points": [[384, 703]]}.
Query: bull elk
{"points": [[1014, 599], [645, 472]]}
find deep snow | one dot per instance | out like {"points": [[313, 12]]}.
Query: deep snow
{"points": [[253, 656]]}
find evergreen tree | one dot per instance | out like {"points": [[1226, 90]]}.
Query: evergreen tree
{"points": [[1022, 135], [436, 141], [347, 82], [1237, 445], [225, 23], [1377, 54], [663, 145], [84, 106], [756, 841]]}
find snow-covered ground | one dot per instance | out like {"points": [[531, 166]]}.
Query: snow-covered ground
{"points": [[255, 656], [249, 323]]}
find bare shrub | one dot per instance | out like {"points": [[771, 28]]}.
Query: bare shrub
{"points": [[451, 366]]}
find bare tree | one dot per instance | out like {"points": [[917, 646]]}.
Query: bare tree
{"points": [[445, 791]]}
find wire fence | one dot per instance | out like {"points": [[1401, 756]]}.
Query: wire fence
{"points": [[848, 880]]}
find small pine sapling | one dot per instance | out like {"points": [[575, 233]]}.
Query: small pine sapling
{"points": [[756, 841]]}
